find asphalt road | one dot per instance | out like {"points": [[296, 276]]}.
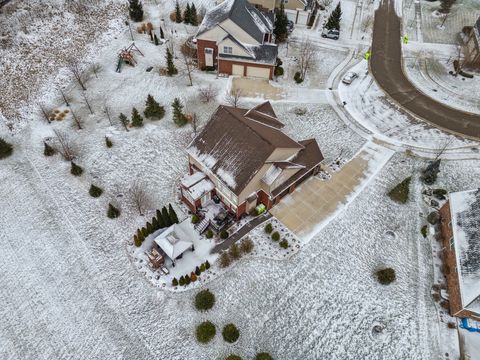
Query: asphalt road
{"points": [[386, 67]]}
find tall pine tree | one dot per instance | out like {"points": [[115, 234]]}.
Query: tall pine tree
{"points": [[334, 18], [161, 222], [178, 116], [193, 15], [137, 120], [162, 35], [153, 109], [171, 69], [281, 23], [178, 13], [172, 214], [135, 10], [166, 217], [187, 15]]}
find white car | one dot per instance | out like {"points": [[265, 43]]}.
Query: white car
{"points": [[349, 77]]}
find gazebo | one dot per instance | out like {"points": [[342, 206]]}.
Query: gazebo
{"points": [[177, 239]]}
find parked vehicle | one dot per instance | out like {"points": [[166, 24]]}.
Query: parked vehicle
{"points": [[331, 34], [349, 77]]}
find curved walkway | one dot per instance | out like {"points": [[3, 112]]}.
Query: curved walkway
{"points": [[386, 67]]}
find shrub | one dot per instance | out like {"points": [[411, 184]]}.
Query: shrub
{"points": [[234, 251], [275, 236], [230, 333], [195, 219], [246, 246], [137, 241], [209, 234], [187, 280], [202, 267], [385, 276], [95, 191], [233, 357], [197, 271], [207, 265], [193, 277], [224, 234], [279, 71], [48, 150], [268, 228], [204, 300], [400, 192], [174, 282], [181, 282], [108, 142], [263, 356], [440, 194], [284, 243], [205, 332], [76, 170], [112, 212], [6, 149], [424, 231], [224, 260], [451, 325], [298, 77]]}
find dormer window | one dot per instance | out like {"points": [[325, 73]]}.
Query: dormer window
{"points": [[227, 49]]}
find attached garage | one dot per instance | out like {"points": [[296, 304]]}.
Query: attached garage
{"points": [[238, 70], [258, 72]]}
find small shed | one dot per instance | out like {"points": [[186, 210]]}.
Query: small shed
{"points": [[177, 239]]}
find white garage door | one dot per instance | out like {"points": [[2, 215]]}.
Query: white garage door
{"points": [[257, 72], [237, 70]]}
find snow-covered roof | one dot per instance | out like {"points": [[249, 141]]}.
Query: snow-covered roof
{"points": [[189, 180], [465, 212], [177, 239], [243, 14], [200, 188]]}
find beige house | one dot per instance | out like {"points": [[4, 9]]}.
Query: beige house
{"points": [[244, 159]]}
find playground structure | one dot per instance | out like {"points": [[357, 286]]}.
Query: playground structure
{"points": [[126, 56]]}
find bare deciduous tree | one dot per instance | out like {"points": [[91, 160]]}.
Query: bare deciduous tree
{"points": [[76, 119], [233, 97], [96, 67], [208, 93], [106, 109], [139, 196], [65, 146], [74, 68], [64, 97], [307, 56], [189, 66], [194, 123], [45, 113], [367, 23], [84, 95]]}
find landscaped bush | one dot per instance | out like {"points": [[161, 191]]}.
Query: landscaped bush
{"points": [[298, 77], [95, 191], [275, 236], [424, 231], [76, 170], [205, 332], [6, 149], [195, 219], [204, 300], [181, 281], [263, 356], [48, 150], [440, 194], [174, 282], [112, 212], [268, 228], [202, 267], [233, 357], [207, 265], [193, 277], [224, 260], [234, 251], [429, 175], [224, 234], [137, 241], [209, 234], [108, 142], [279, 71], [230, 333], [284, 243], [385, 276], [187, 280], [246, 246], [400, 192]]}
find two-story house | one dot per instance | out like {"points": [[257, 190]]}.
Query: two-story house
{"points": [[472, 46], [242, 157], [460, 226], [237, 39]]}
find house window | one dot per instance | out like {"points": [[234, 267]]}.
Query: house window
{"points": [[208, 51], [227, 49], [452, 243]]}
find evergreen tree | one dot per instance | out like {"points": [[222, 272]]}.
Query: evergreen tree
{"points": [[149, 228], [108, 142], [166, 217], [6, 149], [124, 121], [162, 35], [171, 69], [178, 13], [153, 108], [161, 221], [181, 282], [135, 10], [178, 116], [193, 15], [202, 267], [137, 120], [172, 214], [197, 271], [144, 232], [187, 15], [137, 241], [140, 235], [155, 40], [48, 150], [112, 211], [187, 280], [281, 24], [174, 282], [207, 265], [76, 170], [155, 224], [95, 191], [334, 18]]}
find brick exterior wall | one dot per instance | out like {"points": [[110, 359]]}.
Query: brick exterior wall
{"points": [[225, 67], [201, 45], [264, 199], [242, 209]]}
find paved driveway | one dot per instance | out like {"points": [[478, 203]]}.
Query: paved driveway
{"points": [[386, 66]]}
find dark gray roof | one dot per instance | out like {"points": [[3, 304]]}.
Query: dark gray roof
{"points": [[242, 13], [266, 53]]}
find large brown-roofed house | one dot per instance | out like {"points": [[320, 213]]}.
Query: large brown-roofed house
{"points": [[460, 226], [244, 158], [237, 39]]}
